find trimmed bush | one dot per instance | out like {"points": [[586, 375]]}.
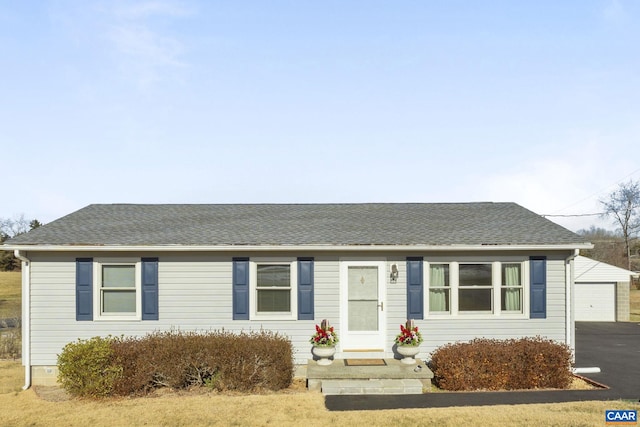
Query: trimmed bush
{"points": [[485, 364], [181, 360], [87, 368]]}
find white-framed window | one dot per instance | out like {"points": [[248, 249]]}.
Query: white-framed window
{"points": [[273, 288], [439, 288], [117, 294], [476, 289], [511, 288]]}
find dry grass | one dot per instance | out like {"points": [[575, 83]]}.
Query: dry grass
{"points": [[10, 314], [11, 376], [289, 408], [634, 309], [580, 384], [10, 294]]}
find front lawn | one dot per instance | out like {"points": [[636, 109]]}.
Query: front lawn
{"points": [[292, 407]]}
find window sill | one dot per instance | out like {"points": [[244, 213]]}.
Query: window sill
{"points": [[117, 318], [477, 316], [275, 316]]}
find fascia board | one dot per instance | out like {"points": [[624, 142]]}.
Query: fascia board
{"points": [[291, 248]]}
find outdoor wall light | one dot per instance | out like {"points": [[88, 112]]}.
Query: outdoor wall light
{"points": [[394, 273]]}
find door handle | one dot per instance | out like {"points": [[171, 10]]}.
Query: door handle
{"points": [[381, 305]]}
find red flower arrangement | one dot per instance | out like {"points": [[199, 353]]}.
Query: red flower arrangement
{"points": [[409, 335], [324, 336]]}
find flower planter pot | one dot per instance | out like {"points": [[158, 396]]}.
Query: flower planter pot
{"points": [[323, 353], [408, 352]]}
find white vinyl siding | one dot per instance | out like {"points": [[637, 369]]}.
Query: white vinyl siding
{"points": [[592, 271], [195, 294]]}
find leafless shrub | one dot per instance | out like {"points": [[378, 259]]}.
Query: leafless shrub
{"points": [[219, 360], [486, 364], [11, 338]]}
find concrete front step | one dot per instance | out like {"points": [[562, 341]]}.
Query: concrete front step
{"points": [[372, 386], [394, 377]]}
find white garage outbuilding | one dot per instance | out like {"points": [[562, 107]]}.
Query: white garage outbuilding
{"points": [[601, 291]]}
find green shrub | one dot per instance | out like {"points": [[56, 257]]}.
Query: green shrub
{"points": [[485, 364], [87, 367]]}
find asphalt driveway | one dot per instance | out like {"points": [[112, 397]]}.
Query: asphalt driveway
{"points": [[612, 347], [615, 349]]}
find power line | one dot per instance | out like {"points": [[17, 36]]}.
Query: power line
{"points": [[574, 215], [600, 191]]}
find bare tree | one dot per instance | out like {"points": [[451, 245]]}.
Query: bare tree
{"points": [[623, 204], [12, 227]]}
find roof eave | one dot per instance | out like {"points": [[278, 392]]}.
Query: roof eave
{"points": [[288, 248]]}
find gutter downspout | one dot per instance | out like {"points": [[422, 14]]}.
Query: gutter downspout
{"points": [[570, 323], [26, 316]]}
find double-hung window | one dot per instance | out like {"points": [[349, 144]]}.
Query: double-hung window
{"points": [[273, 288], [511, 287], [273, 293], [439, 289], [117, 288]]}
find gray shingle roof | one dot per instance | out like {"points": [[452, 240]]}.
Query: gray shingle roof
{"points": [[302, 224]]}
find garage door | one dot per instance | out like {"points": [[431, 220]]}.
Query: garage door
{"points": [[595, 302]]}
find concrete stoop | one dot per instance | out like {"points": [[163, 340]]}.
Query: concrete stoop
{"points": [[393, 378], [371, 386]]}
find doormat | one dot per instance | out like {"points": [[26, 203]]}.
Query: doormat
{"points": [[365, 362]]}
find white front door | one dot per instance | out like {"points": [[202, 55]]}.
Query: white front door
{"points": [[362, 305]]}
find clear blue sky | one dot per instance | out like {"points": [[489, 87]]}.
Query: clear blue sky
{"points": [[318, 101]]}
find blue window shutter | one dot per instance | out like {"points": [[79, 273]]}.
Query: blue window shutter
{"points": [[305, 289], [84, 289], [538, 284], [415, 291], [150, 289], [240, 288]]}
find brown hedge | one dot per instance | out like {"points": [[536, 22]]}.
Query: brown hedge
{"points": [[180, 360], [489, 364], [219, 360]]}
